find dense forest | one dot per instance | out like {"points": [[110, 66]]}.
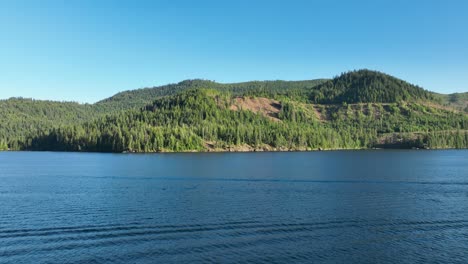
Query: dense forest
{"points": [[366, 86], [359, 109]]}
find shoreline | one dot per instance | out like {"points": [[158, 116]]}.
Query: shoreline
{"points": [[241, 151]]}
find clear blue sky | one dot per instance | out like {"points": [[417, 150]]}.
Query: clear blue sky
{"points": [[85, 51]]}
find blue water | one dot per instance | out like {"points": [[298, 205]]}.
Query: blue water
{"points": [[316, 207]]}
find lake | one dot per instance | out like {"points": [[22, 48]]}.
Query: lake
{"points": [[392, 206]]}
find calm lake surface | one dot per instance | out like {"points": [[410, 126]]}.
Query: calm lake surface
{"points": [[321, 207]]}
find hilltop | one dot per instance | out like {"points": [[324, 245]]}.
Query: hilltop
{"points": [[365, 86]]}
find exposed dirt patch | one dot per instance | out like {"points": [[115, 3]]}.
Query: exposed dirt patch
{"points": [[265, 106], [320, 112]]}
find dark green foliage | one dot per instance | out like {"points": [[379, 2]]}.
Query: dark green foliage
{"points": [[21, 117], [365, 86]]}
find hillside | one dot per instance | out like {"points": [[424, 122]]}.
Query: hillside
{"points": [[210, 120], [142, 97], [20, 117], [358, 109], [457, 101]]}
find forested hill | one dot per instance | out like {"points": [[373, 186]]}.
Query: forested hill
{"points": [[211, 120], [365, 86], [21, 117], [357, 109]]}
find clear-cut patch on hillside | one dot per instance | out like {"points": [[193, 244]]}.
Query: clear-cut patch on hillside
{"points": [[265, 106]]}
